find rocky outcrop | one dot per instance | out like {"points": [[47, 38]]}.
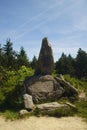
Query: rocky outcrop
{"points": [[69, 89], [43, 88], [53, 106], [44, 108], [45, 60], [46, 88], [28, 102]]}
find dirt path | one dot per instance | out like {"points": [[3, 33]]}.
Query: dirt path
{"points": [[44, 123]]}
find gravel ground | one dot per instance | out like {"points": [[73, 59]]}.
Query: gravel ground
{"points": [[44, 123]]}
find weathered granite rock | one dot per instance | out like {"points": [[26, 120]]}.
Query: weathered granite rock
{"points": [[46, 60], [43, 88], [51, 106], [69, 89], [28, 102]]}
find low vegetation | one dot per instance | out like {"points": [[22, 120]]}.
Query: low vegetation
{"points": [[80, 84], [82, 109], [81, 104], [11, 86], [58, 112]]}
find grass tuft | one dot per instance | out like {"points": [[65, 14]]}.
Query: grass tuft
{"points": [[82, 109]]}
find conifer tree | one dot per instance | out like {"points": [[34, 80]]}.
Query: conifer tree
{"points": [[22, 58]]}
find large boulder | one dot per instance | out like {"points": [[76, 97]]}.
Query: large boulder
{"points": [[45, 60], [43, 88]]}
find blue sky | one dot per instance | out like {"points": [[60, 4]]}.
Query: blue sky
{"points": [[26, 22]]}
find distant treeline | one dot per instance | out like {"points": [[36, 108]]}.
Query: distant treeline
{"points": [[12, 60], [76, 67]]}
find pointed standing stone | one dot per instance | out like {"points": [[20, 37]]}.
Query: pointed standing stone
{"points": [[45, 61]]}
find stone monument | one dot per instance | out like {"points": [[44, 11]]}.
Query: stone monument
{"points": [[42, 86]]}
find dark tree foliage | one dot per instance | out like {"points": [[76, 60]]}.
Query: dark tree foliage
{"points": [[75, 67], [33, 63], [9, 55], [1, 55], [65, 65], [11, 60], [81, 64], [22, 58]]}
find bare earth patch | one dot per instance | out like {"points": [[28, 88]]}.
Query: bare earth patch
{"points": [[44, 123]]}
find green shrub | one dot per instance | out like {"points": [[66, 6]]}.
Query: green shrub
{"points": [[12, 83], [61, 112], [37, 112], [9, 114], [79, 84], [54, 74], [82, 108]]}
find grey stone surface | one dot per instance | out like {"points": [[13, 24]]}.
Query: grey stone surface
{"points": [[50, 106], [43, 88], [69, 89], [28, 102], [45, 60], [46, 88]]}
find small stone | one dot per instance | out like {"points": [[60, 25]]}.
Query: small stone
{"points": [[23, 112], [82, 96], [28, 102]]}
